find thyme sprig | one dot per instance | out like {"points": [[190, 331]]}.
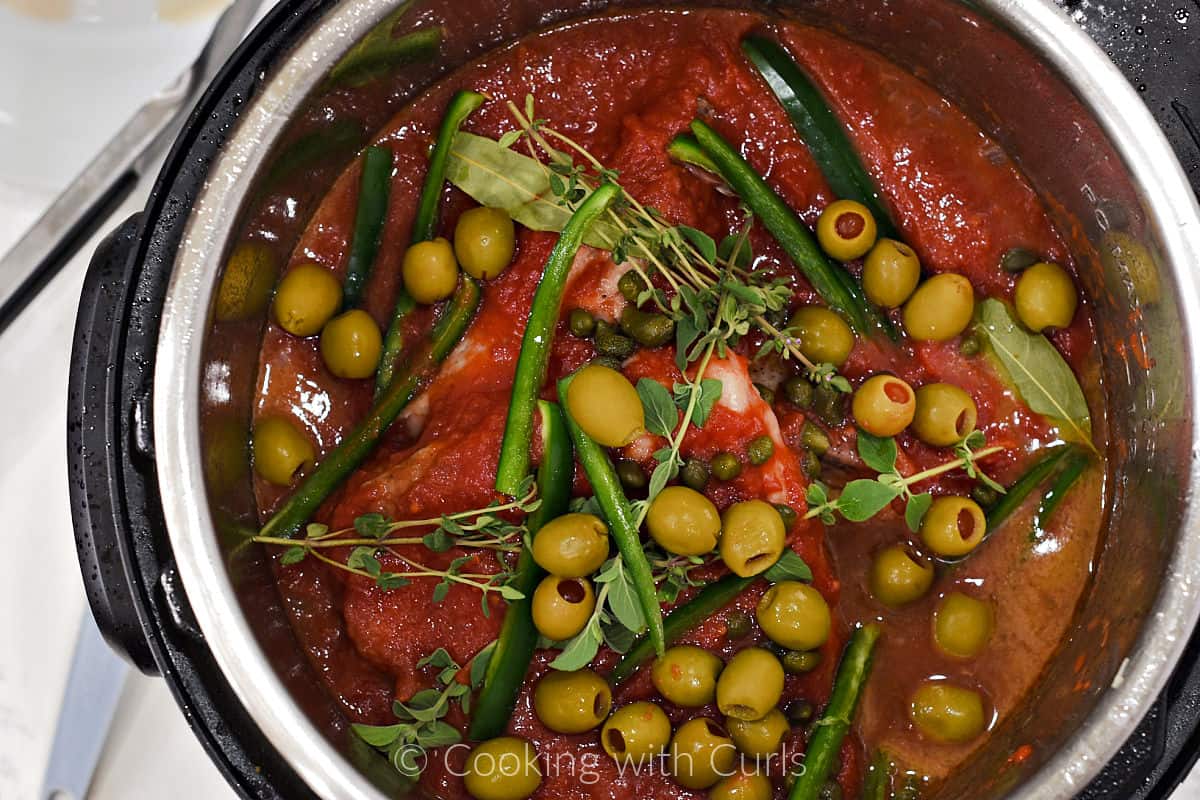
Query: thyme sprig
{"points": [[966, 450]]}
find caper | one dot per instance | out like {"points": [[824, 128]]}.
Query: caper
{"points": [[766, 393], [810, 464], [799, 391], [694, 474], [814, 439], [737, 624], [800, 712], [984, 495], [726, 466], [971, 344], [611, 343], [647, 329], [798, 662], [830, 790], [630, 285], [581, 322], [631, 475], [606, 361], [1018, 259], [829, 405], [787, 514], [760, 450]]}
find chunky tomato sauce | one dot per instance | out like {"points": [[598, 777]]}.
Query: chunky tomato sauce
{"points": [[623, 86]]}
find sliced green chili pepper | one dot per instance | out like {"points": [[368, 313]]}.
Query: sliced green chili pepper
{"points": [[622, 521], [374, 188], [1024, 485], [878, 783], [539, 335], [381, 51], [686, 150], [830, 730], [514, 647], [1073, 468], [358, 444], [819, 128]]}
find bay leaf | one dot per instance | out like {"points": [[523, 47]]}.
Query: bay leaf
{"points": [[1037, 371], [499, 177]]}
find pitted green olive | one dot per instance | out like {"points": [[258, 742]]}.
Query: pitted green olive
{"points": [[897, 577], [636, 733], [281, 451], [944, 414], [824, 336], [351, 345], [759, 738], [571, 546], [890, 273], [308, 297], [562, 606], [504, 768], [572, 702], [794, 615], [752, 537], [683, 521], [884, 405], [701, 754], [686, 675], [484, 242], [246, 284], [605, 405], [750, 685], [962, 625], [940, 309], [745, 784], [947, 713], [846, 230], [953, 526], [1046, 297]]}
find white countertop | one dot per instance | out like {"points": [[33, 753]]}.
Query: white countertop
{"points": [[54, 113]]}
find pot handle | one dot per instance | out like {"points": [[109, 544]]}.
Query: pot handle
{"points": [[98, 450]]}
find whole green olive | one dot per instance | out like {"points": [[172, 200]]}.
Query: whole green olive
{"points": [[947, 713], [281, 451], [824, 336], [572, 702], [1046, 297], [646, 328], [694, 474], [750, 685], [725, 466], [752, 537], [940, 309], [798, 662], [610, 342], [953, 526], [794, 615], [605, 405], [962, 625], [351, 345], [683, 521], [484, 242], [759, 738], [631, 285], [636, 733], [571, 546], [308, 297], [701, 753], [799, 391], [504, 768], [897, 577], [246, 283], [430, 271], [632, 476], [686, 675], [760, 449], [884, 405], [846, 230], [945, 414], [562, 606], [581, 323], [890, 273], [745, 784]]}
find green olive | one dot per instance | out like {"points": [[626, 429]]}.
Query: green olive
{"points": [[897, 577], [759, 738], [940, 309], [750, 685], [632, 476], [814, 439], [308, 297], [1046, 297], [694, 474], [798, 662], [725, 466], [281, 451], [1122, 254], [945, 414], [504, 768], [683, 521], [572, 702], [647, 329], [737, 624], [484, 242], [701, 753], [606, 406], [609, 342], [953, 526], [562, 606], [824, 336], [846, 230], [890, 273], [752, 537], [430, 271], [760, 450], [246, 284], [686, 675], [962, 625], [581, 322], [799, 391], [351, 344], [947, 713], [742, 785], [630, 285], [794, 615], [571, 546], [636, 733], [884, 405]]}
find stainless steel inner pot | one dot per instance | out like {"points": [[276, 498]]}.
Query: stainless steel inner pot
{"points": [[1079, 131]]}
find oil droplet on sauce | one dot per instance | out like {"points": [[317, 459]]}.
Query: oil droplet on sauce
{"points": [[185, 10], [42, 9]]}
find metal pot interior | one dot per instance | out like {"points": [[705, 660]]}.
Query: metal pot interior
{"points": [[1032, 81]]}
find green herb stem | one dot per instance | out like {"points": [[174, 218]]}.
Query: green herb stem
{"points": [[539, 336], [374, 187], [831, 729]]}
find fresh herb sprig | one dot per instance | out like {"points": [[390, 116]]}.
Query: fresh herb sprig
{"points": [[616, 620], [966, 450]]}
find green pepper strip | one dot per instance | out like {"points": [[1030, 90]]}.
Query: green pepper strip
{"points": [[820, 129], [834, 284], [358, 444], [514, 646], [1024, 485], [680, 621], [374, 188], [830, 730], [685, 149], [539, 335], [622, 521], [1073, 468], [425, 224], [878, 785]]}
